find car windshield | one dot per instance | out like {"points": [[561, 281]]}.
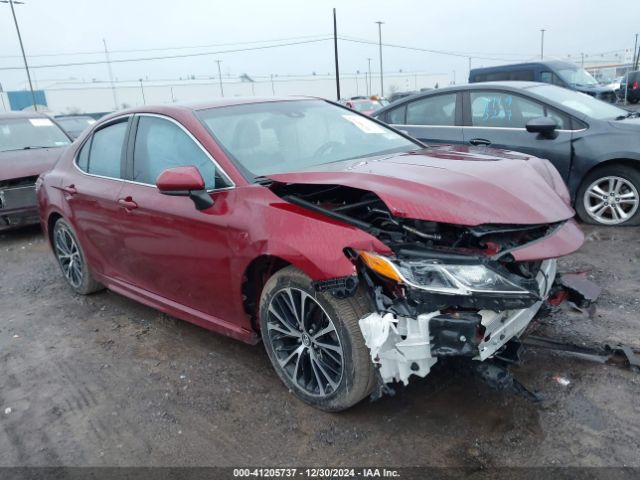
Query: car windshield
{"points": [[576, 76], [24, 133], [75, 123], [366, 106], [277, 137], [581, 102]]}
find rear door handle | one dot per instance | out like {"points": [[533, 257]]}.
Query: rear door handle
{"points": [[127, 203], [479, 141]]}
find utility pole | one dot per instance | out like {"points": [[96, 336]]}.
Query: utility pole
{"points": [[380, 51], [636, 54], [542, 30], [24, 57], [144, 100], [335, 53], [113, 87], [220, 78], [273, 88], [469, 69], [369, 84]]}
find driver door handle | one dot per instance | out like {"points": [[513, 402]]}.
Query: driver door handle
{"points": [[479, 141], [69, 189], [127, 203]]}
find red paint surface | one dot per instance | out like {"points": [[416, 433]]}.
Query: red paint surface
{"points": [[180, 178], [27, 163], [474, 189]]}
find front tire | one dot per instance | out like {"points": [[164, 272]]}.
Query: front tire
{"points": [[72, 259], [610, 196], [314, 342]]}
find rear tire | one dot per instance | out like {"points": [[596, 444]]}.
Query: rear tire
{"points": [[331, 371], [72, 259]]}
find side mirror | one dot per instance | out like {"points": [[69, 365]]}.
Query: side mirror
{"points": [[545, 126], [185, 182]]}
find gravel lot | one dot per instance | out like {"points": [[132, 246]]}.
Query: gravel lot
{"points": [[102, 380]]}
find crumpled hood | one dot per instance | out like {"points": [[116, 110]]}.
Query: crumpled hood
{"points": [[28, 163], [456, 185]]}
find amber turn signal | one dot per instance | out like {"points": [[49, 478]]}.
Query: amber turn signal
{"points": [[380, 265]]}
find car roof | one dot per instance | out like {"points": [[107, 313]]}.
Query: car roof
{"points": [[22, 114], [510, 66]]}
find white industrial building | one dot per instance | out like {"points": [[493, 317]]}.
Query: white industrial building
{"points": [[99, 96]]}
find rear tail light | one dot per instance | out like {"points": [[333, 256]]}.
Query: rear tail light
{"points": [[635, 85]]}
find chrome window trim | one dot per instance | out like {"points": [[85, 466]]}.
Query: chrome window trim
{"points": [[164, 117], [89, 137]]}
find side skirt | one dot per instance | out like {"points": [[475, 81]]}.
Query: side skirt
{"points": [[180, 311]]}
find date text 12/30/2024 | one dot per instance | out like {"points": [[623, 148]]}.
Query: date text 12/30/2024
{"points": [[315, 473]]}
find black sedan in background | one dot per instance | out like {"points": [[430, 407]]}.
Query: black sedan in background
{"points": [[594, 145]]}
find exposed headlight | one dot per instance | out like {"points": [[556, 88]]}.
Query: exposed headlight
{"points": [[442, 278]]}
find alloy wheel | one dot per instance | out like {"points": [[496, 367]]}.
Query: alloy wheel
{"points": [[611, 200], [305, 342], [69, 256]]}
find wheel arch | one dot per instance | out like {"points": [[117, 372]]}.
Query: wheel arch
{"points": [[254, 278], [629, 162], [51, 221]]}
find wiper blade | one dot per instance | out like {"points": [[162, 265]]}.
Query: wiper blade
{"points": [[35, 147], [628, 115], [262, 180]]}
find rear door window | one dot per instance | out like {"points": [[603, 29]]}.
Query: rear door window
{"points": [[433, 110], [397, 115], [102, 154]]}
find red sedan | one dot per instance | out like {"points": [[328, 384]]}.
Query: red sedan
{"points": [[30, 144], [356, 254]]}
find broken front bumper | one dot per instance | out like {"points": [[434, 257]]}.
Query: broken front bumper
{"points": [[402, 346]]}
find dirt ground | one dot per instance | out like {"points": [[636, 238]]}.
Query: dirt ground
{"points": [[102, 380]]}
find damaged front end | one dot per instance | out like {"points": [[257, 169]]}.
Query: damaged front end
{"points": [[446, 290]]}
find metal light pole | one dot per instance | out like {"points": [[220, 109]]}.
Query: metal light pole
{"points": [[542, 30], [369, 84], [144, 100], [24, 57], [636, 54], [113, 87], [220, 77], [380, 49], [273, 88]]}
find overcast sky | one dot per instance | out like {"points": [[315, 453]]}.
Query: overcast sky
{"points": [[501, 29]]}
